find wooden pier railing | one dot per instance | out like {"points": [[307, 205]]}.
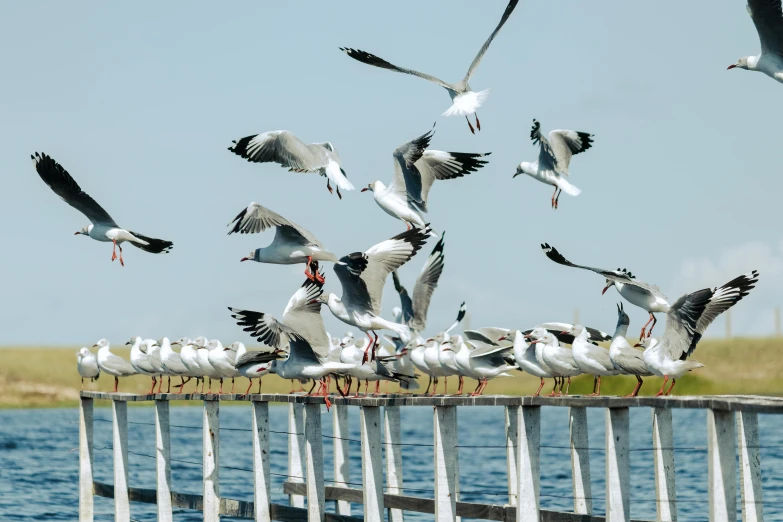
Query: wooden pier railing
{"points": [[732, 426]]}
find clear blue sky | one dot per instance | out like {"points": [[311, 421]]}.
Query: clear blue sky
{"points": [[139, 103]]}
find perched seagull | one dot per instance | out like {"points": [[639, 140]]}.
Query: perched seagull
{"points": [[292, 244], [362, 276], [590, 358], [87, 365], [561, 331], [112, 364], [525, 357], [643, 295], [554, 157], [172, 362], [768, 18], [289, 151], [414, 311], [686, 321], [464, 100], [103, 227], [560, 360], [488, 362], [223, 359], [202, 356], [189, 357], [415, 170], [143, 361], [490, 335], [253, 365], [624, 356]]}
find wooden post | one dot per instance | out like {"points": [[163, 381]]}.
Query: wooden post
{"points": [[314, 461], [445, 434], [296, 463], [721, 455], [119, 411], [663, 460], [211, 438], [528, 459], [163, 460], [262, 494], [372, 465], [86, 511], [512, 466], [342, 469], [580, 460], [392, 437], [618, 465], [749, 466]]}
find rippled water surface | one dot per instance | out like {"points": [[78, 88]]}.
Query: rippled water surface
{"points": [[39, 459]]}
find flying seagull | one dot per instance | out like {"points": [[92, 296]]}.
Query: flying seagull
{"points": [[362, 276], [554, 157], [767, 16], [289, 151], [103, 227], [464, 100], [292, 244], [686, 321], [643, 295], [415, 170]]}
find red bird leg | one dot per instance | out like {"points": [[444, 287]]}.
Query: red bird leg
{"points": [[478, 123], [635, 391], [665, 380], [307, 271], [553, 198], [116, 382], [114, 250], [540, 387], [557, 199], [407, 225], [366, 386], [328, 186], [122, 262], [461, 383], [654, 321], [642, 335], [674, 381], [568, 386], [249, 385], [470, 125], [377, 387]]}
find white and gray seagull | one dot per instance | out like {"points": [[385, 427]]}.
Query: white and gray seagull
{"points": [[111, 363], [464, 100], [289, 151], [362, 276], [767, 16], [292, 244], [415, 170], [554, 158], [624, 356], [646, 296], [103, 227], [686, 322], [87, 365]]}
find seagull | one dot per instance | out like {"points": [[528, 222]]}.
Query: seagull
{"points": [[189, 356], [111, 363], [87, 365], [202, 356], [624, 356], [253, 365], [103, 227], [643, 295], [289, 151], [144, 361], [464, 100], [560, 360], [525, 357], [292, 244], [561, 331], [223, 359], [488, 362], [590, 358], [554, 157], [415, 170], [362, 276], [686, 321], [768, 18], [172, 362]]}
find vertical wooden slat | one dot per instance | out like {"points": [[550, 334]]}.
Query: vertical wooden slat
{"points": [[528, 459], [86, 510], [445, 435], [163, 460], [663, 459], [342, 468], [580, 460], [372, 465], [211, 439], [392, 436], [262, 493], [618, 465], [721, 456], [120, 446], [296, 463], [749, 466], [511, 453], [314, 462]]}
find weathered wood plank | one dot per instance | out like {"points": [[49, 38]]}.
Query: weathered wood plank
{"points": [[86, 508], [618, 465], [721, 456], [163, 460], [528, 460], [342, 448], [120, 450], [511, 453], [211, 457], [749, 466], [580, 460], [392, 436], [296, 463], [663, 460], [446, 455], [372, 463], [262, 485], [314, 462]]}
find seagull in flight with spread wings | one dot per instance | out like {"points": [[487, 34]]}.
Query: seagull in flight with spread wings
{"points": [[103, 227], [464, 100], [767, 16]]}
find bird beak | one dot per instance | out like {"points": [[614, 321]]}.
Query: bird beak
{"points": [[76, 233], [313, 301], [515, 175], [637, 345], [605, 289], [94, 345], [502, 338], [732, 66], [226, 349], [246, 258], [365, 189]]}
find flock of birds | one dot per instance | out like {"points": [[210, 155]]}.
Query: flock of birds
{"points": [[297, 346]]}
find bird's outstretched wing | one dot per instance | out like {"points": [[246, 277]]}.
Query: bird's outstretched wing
{"points": [[426, 284], [406, 303], [767, 16], [371, 59], [509, 9], [257, 218], [58, 179]]}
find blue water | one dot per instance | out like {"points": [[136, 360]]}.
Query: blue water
{"points": [[39, 459]]}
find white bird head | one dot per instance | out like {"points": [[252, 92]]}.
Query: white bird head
{"points": [[83, 352], [524, 168], [372, 187], [85, 231], [742, 63], [101, 344], [252, 256], [200, 341], [182, 341], [233, 347], [214, 344]]}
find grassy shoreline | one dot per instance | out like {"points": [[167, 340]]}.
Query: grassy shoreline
{"points": [[45, 377]]}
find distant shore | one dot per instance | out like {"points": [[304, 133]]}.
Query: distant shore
{"points": [[40, 377]]}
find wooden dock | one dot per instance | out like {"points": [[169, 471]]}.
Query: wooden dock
{"points": [[732, 428]]}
